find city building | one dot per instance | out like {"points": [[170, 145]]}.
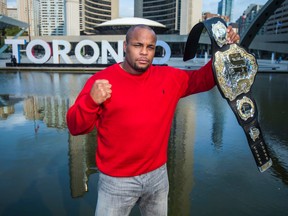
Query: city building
{"points": [[72, 19], [28, 12], [12, 12], [225, 8], [248, 16], [95, 12], [278, 22], [3, 7], [179, 16], [81, 16], [52, 17]]}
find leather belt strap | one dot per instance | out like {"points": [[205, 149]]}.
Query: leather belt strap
{"points": [[234, 72]]}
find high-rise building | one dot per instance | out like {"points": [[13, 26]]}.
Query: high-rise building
{"points": [[179, 16], [72, 19], [190, 15], [247, 17], [81, 16], [98, 11], [52, 17], [3, 7], [225, 8], [65, 17], [28, 12], [277, 23], [12, 12]]}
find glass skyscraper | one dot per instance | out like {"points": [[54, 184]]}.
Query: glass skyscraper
{"points": [[225, 8], [179, 16]]}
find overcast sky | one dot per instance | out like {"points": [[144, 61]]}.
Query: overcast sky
{"points": [[127, 6]]}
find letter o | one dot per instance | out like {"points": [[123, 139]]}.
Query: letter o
{"points": [[45, 46], [167, 53], [79, 56]]}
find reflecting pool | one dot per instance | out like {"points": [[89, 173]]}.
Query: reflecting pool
{"points": [[46, 171]]}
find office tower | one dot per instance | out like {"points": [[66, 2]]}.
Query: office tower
{"points": [[179, 16], [52, 17], [72, 18], [81, 16], [28, 12], [3, 7], [12, 12], [225, 8], [190, 15], [277, 23], [247, 17], [98, 11]]}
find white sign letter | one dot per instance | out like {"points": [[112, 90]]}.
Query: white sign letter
{"points": [[107, 47], [15, 47], [167, 53], [61, 52], [80, 57], [31, 55]]}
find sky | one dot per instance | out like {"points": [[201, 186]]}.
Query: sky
{"points": [[127, 6], [239, 6]]}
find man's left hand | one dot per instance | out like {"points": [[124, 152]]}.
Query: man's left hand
{"points": [[232, 36]]}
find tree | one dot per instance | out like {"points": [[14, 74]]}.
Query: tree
{"points": [[11, 31]]}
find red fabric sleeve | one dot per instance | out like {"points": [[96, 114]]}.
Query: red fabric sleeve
{"points": [[200, 80], [82, 116]]}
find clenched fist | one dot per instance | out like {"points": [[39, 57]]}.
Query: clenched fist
{"points": [[232, 36], [101, 91]]}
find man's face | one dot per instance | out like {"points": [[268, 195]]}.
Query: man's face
{"points": [[140, 50]]}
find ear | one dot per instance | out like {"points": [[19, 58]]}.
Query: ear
{"points": [[124, 46]]}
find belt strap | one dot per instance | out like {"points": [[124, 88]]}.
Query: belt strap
{"points": [[234, 72]]}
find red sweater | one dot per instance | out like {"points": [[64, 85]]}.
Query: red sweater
{"points": [[133, 126]]}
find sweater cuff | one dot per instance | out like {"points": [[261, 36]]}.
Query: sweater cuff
{"points": [[90, 103]]}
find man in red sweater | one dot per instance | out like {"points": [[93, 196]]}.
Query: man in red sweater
{"points": [[133, 123]]}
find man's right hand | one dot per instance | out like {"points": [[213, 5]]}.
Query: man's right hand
{"points": [[101, 91]]}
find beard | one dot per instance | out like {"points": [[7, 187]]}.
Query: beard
{"points": [[140, 69]]}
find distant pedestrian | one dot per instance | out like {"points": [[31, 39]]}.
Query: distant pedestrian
{"points": [[279, 60], [13, 60]]}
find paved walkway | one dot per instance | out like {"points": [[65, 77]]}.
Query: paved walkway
{"points": [[264, 66]]}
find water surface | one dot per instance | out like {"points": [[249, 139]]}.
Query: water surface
{"points": [[46, 171]]}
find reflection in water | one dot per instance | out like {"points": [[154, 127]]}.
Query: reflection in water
{"points": [[7, 105], [42, 84], [51, 109], [272, 101], [217, 113], [47, 96], [180, 158], [81, 162], [81, 159]]}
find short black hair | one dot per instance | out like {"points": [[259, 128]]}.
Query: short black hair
{"points": [[132, 28]]}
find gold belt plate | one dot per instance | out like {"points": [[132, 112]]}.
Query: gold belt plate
{"points": [[235, 70]]}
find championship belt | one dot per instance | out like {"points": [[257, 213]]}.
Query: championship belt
{"points": [[234, 72]]}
